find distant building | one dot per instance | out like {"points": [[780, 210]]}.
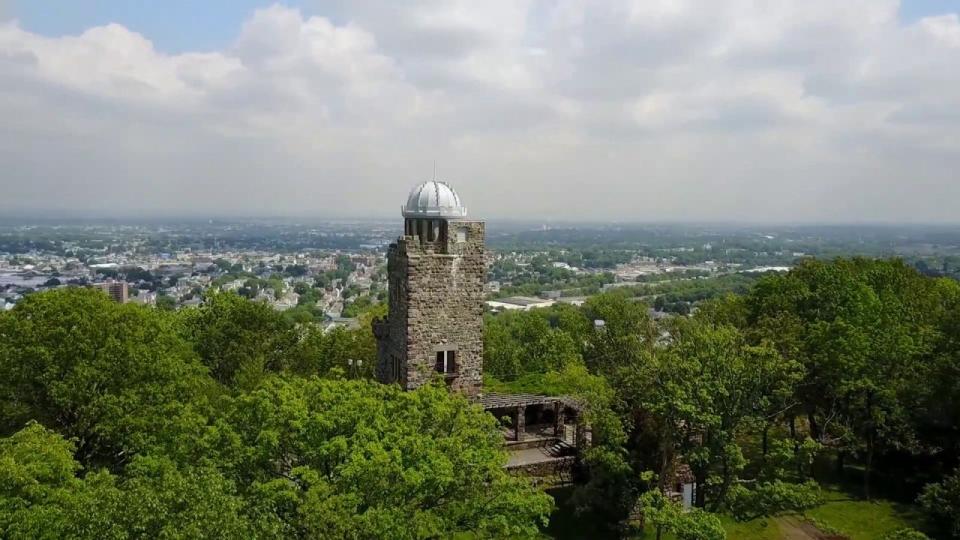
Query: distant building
{"points": [[350, 323], [287, 301], [145, 297], [116, 290], [193, 302], [519, 303], [169, 269]]}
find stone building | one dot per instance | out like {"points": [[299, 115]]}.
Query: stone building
{"points": [[434, 329], [436, 274]]}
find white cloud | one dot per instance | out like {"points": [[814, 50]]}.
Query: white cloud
{"points": [[641, 110]]}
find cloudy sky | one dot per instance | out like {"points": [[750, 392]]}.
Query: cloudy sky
{"points": [[632, 110]]}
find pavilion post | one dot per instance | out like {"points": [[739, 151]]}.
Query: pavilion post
{"points": [[558, 419], [521, 423]]}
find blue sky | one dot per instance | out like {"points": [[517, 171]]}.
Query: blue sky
{"points": [[173, 25], [914, 9], [190, 25]]}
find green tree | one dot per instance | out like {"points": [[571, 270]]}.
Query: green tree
{"points": [[160, 499], [773, 498], [941, 502], [626, 332], [358, 306], [865, 331], [524, 342], [166, 302], [115, 377], [42, 496], [356, 459], [938, 412], [239, 340], [343, 347], [695, 396], [666, 516]]}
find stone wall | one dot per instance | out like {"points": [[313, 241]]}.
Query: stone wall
{"points": [[436, 303], [530, 443], [391, 333]]}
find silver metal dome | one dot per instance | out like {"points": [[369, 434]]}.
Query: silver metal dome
{"points": [[434, 199]]}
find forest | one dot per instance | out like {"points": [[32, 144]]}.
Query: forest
{"points": [[230, 420]]}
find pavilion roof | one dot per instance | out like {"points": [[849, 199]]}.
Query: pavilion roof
{"points": [[491, 400]]}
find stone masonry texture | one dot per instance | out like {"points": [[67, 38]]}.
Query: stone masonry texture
{"points": [[435, 304]]}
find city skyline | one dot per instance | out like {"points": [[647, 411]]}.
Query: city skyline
{"points": [[659, 111]]}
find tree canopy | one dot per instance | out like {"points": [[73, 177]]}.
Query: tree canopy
{"points": [[233, 420], [851, 360], [123, 421]]}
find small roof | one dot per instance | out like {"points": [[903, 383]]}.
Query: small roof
{"points": [[505, 401], [434, 199]]}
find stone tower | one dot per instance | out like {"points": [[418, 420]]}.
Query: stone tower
{"points": [[437, 272]]}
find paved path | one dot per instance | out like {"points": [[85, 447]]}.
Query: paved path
{"points": [[796, 528], [528, 456]]}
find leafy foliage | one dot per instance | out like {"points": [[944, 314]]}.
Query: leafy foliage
{"points": [[866, 332], [234, 420], [41, 496], [905, 534], [853, 359], [238, 339], [212, 423], [115, 377], [941, 501], [773, 498], [664, 515], [524, 342], [364, 460], [697, 419]]}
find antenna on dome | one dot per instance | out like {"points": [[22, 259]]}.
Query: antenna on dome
{"points": [[434, 170]]}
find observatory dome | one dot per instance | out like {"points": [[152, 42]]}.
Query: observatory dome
{"points": [[434, 199]]}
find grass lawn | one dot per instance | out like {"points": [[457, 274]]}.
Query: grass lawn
{"points": [[564, 524], [864, 520], [859, 519], [757, 529]]}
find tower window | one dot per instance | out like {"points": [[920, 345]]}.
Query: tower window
{"points": [[446, 362], [431, 231]]}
